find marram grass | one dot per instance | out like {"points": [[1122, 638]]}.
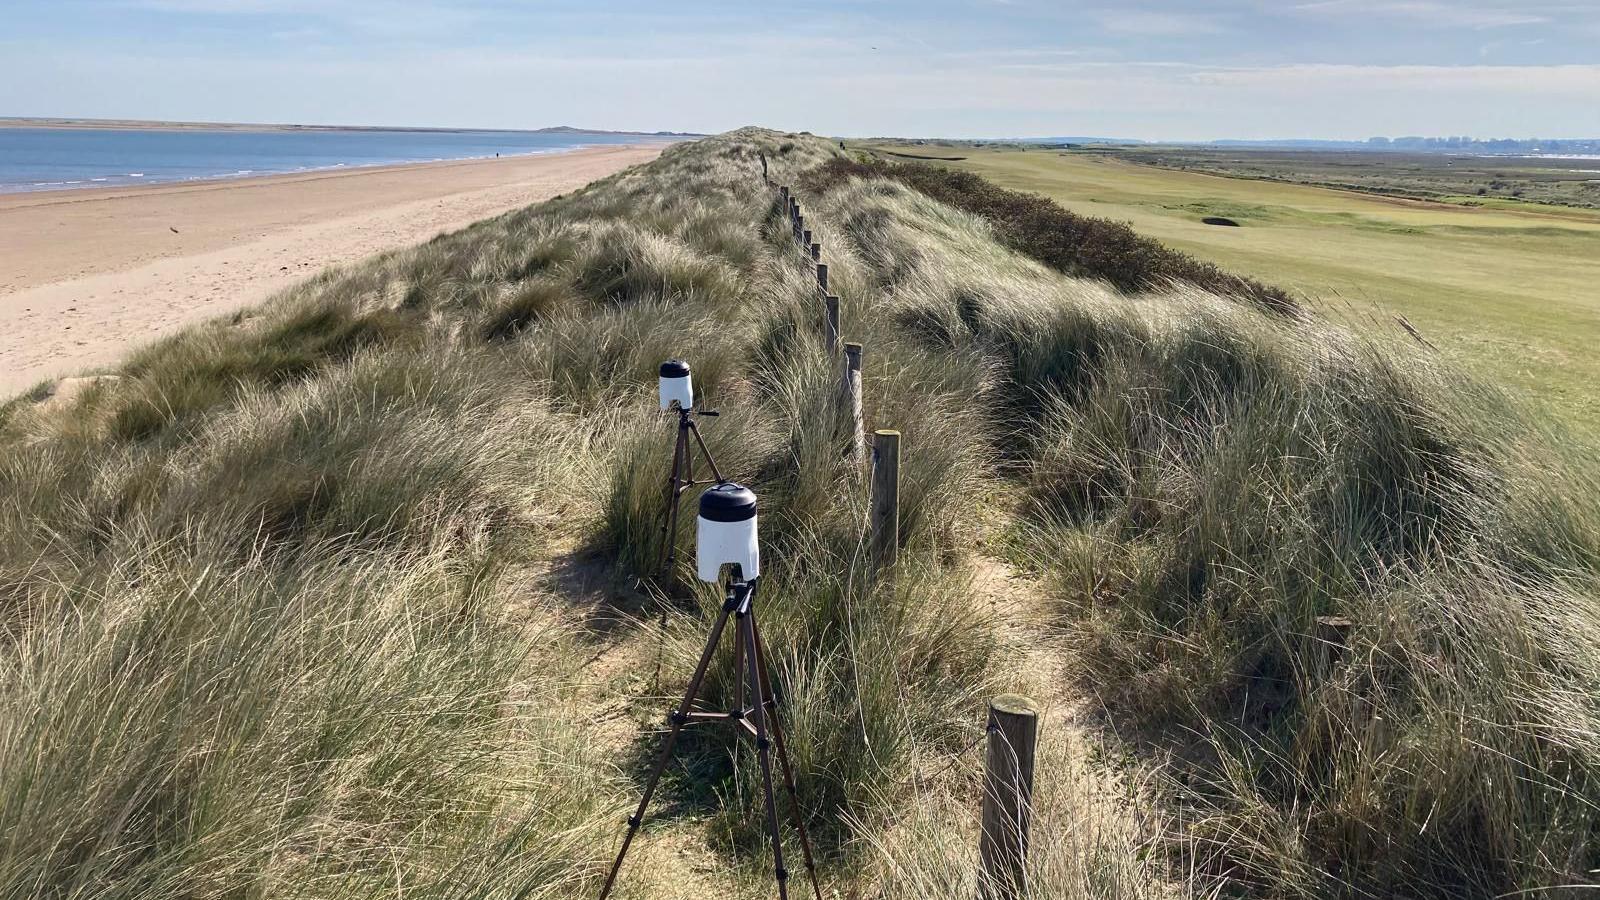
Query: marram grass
{"points": [[271, 629]]}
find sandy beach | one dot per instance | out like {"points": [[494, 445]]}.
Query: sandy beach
{"points": [[86, 275]]}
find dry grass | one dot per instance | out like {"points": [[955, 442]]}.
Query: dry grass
{"points": [[256, 592]]}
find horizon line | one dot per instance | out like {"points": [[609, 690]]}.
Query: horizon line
{"points": [[93, 121]]}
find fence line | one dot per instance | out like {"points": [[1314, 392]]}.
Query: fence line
{"points": [[1012, 729]]}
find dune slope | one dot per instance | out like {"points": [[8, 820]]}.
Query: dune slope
{"points": [[341, 595]]}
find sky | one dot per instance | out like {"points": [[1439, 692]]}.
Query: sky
{"points": [[1151, 69]]}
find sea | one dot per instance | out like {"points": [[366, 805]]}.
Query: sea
{"points": [[49, 159]]}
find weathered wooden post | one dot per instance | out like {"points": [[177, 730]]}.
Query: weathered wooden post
{"points": [[1007, 797], [783, 194], [763, 164], [830, 323], [799, 227], [850, 394], [1332, 642], [884, 508], [816, 252], [805, 238], [822, 277]]}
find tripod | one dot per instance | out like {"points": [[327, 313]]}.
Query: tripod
{"points": [[758, 717], [680, 480]]}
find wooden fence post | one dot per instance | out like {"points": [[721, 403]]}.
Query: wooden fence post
{"points": [[1332, 637], [783, 194], [816, 252], [799, 226], [884, 509], [1007, 797], [851, 396], [805, 238], [830, 324], [822, 277]]}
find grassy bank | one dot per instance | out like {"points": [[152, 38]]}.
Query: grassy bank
{"points": [[1504, 292], [281, 621], [1097, 249]]}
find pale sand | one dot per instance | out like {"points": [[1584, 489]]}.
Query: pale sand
{"points": [[86, 276]]}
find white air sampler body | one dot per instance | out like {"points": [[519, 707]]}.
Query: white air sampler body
{"points": [[726, 533], [676, 385]]}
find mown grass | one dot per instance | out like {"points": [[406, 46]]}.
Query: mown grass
{"points": [[258, 594]]}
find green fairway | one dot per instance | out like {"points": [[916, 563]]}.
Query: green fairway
{"points": [[1512, 292]]}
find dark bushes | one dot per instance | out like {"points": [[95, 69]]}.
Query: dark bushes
{"points": [[1077, 245]]}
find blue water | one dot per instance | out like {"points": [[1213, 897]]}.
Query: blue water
{"points": [[43, 159]]}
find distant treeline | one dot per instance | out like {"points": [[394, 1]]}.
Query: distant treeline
{"points": [[1083, 246]]}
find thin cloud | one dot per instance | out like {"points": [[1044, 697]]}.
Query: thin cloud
{"points": [[1148, 23], [1165, 68], [1545, 81], [1429, 12]]}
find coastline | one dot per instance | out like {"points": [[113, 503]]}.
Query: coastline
{"points": [[91, 273], [78, 187], [160, 125], [152, 125], [50, 154], [93, 191]]}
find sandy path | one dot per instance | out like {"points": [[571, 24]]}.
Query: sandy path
{"points": [[85, 276]]}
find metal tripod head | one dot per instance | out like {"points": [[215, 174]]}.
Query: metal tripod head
{"points": [[684, 414], [741, 594]]}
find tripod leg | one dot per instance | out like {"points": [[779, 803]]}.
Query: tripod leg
{"points": [[677, 719], [764, 753], [669, 526], [688, 456], [738, 668], [783, 753], [667, 493], [704, 451]]}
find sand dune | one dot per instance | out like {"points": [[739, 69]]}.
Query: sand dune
{"points": [[87, 275]]}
